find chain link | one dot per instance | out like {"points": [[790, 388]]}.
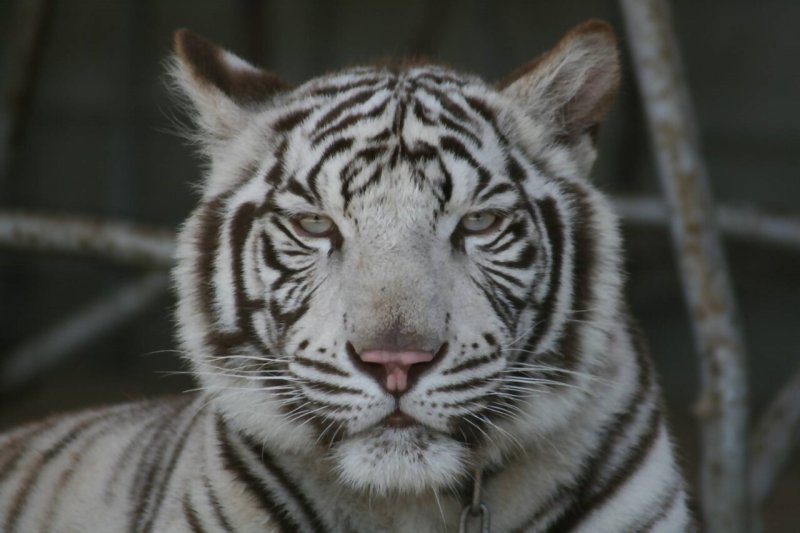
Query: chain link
{"points": [[476, 508]]}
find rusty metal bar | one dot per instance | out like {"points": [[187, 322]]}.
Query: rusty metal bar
{"points": [[745, 223], [119, 241], [776, 434], [722, 406]]}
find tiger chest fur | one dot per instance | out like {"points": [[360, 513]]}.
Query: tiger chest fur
{"points": [[398, 280]]}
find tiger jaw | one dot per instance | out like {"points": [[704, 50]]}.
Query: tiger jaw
{"points": [[411, 460], [398, 453]]}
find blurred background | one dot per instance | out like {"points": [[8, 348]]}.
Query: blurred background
{"points": [[92, 134]]}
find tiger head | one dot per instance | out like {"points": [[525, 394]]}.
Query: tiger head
{"points": [[396, 269]]}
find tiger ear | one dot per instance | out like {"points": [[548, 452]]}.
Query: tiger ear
{"points": [[572, 86], [222, 88]]}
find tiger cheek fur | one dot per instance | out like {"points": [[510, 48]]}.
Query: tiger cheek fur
{"points": [[397, 276]]}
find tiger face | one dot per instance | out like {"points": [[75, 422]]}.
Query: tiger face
{"points": [[395, 268]]}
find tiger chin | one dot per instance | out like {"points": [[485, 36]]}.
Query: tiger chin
{"points": [[402, 298]]}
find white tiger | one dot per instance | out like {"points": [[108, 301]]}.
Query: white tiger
{"points": [[403, 301]]}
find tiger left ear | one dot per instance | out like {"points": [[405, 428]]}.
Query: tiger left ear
{"points": [[572, 86], [222, 88]]}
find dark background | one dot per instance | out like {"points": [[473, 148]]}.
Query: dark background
{"points": [[97, 140]]}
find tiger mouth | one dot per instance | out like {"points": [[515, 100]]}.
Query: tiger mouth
{"points": [[399, 420]]}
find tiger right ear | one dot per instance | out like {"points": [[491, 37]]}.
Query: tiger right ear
{"points": [[571, 87], [222, 88]]}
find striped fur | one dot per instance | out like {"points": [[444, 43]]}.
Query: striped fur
{"points": [[539, 378]]}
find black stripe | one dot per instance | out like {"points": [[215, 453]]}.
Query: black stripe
{"points": [[567, 352], [458, 128], [582, 508], [422, 113], [294, 491], [555, 233], [584, 270], [216, 506], [334, 90], [192, 518], [320, 366], [358, 161], [278, 223], [242, 474], [240, 227], [272, 259], [517, 231], [500, 310], [159, 472], [525, 258], [591, 490], [669, 500], [290, 120], [495, 190], [68, 471], [447, 103], [286, 318], [439, 78], [506, 294], [349, 121], [348, 195], [483, 109], [514, 169], [472, 363], [466, 385], [341, 107], [455, 147], [330, 388], [585, 485], [131, 449], [17, 447], [19, 500], [209, 219], [295, 187], [447, 184], [502, 275], [275, 173], [332, 150]]}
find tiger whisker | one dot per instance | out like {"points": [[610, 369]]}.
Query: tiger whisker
{"points": [[519, 388], [513, 439]]}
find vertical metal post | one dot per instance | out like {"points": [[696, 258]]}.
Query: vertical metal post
{"points": [[722, 407]]}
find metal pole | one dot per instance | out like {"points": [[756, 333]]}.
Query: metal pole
{"points": [[723, 406]]}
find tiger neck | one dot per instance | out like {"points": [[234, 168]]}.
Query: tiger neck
{"points": [[301, 492]]}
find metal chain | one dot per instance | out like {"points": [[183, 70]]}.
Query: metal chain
{"points": [[476, 509]]}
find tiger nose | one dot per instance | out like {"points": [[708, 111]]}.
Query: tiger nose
{"points": [[390, 368], [395, 366]]}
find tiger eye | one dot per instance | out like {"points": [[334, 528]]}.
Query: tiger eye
{"points": [[479, 222], [315, 225]]}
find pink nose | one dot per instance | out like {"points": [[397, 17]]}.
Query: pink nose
{"points": [[395, 365]]}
